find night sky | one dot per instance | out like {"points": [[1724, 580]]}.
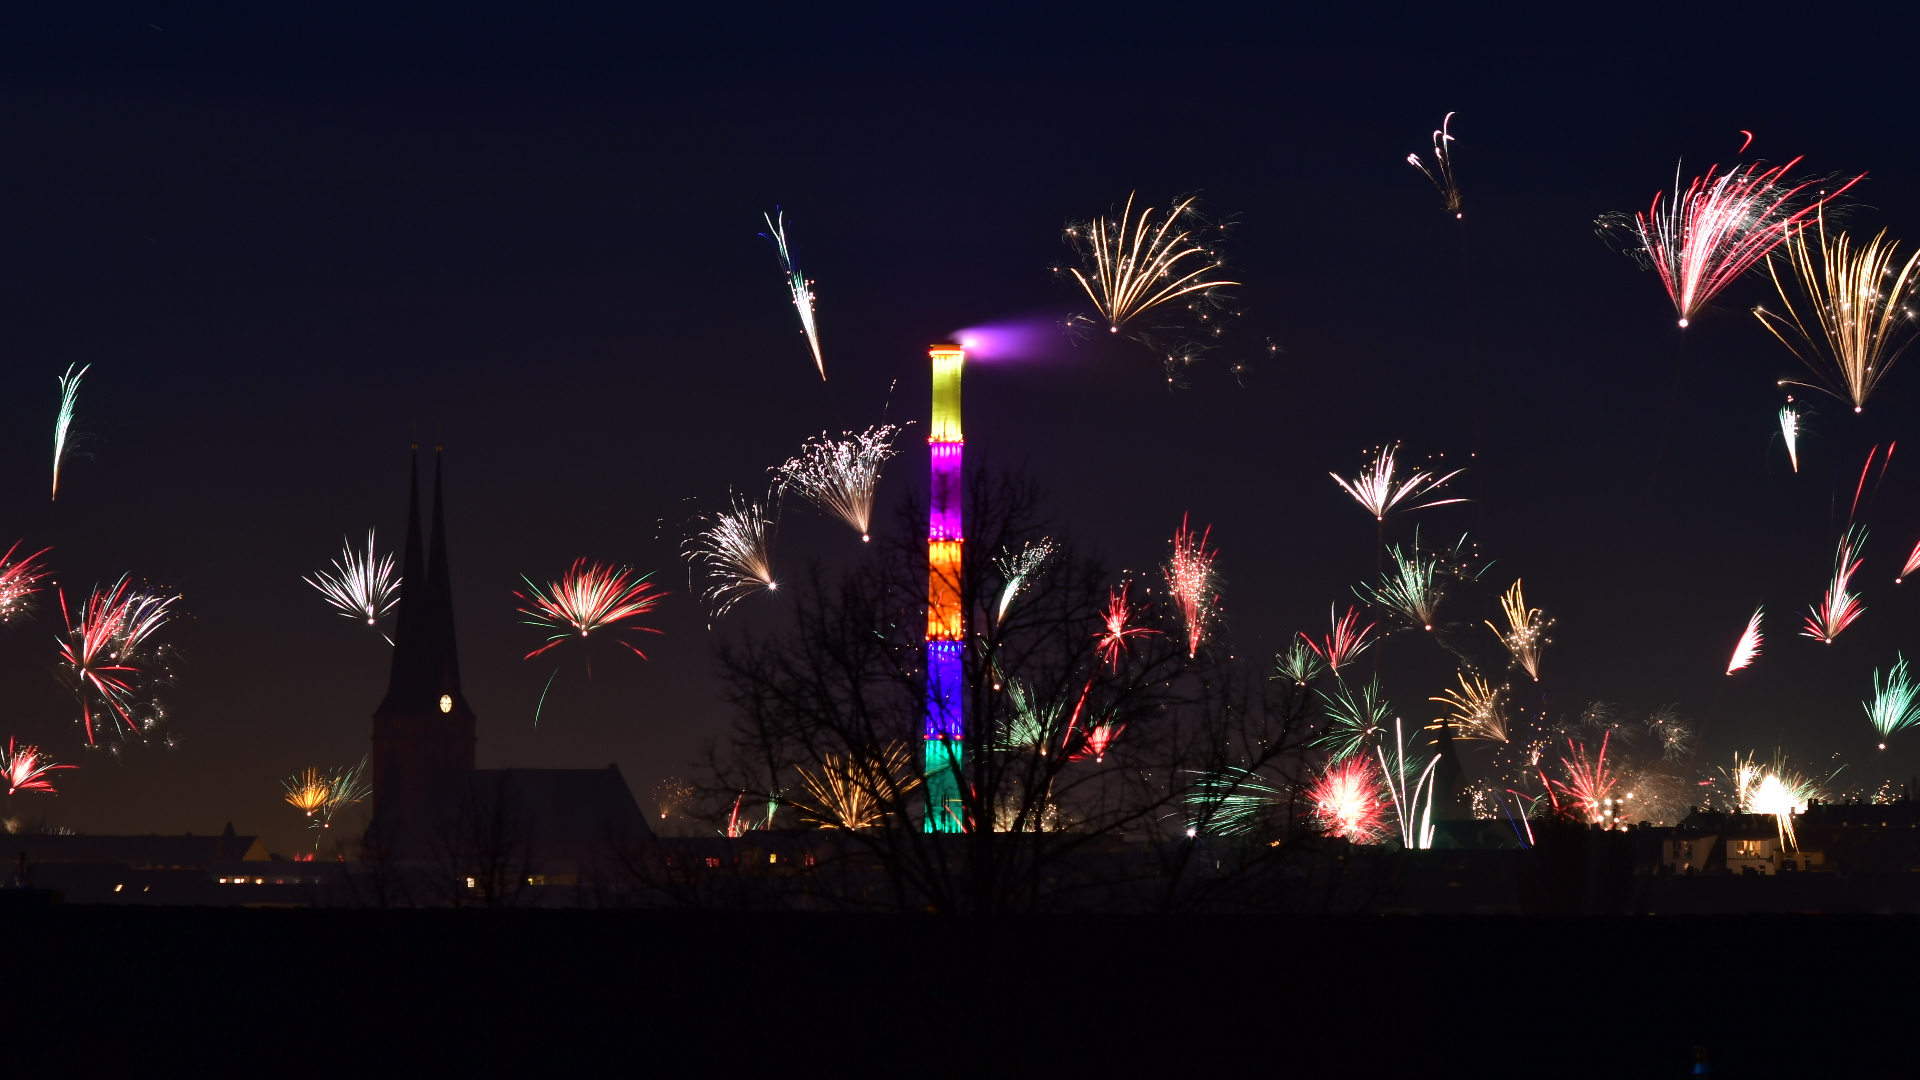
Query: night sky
{"points": [[291, 243]]}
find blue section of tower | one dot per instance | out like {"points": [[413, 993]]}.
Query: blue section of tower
{"points": [[945, 681]]}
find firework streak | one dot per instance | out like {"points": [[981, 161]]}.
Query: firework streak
{"points": [[1896, 705], [1134, 265], [1343, 643], [737, 549], [1442, 171], [1790, 432], [69, 397], [797, 284], [19, 580], [1191, 580], [1748, 647], [103, 651], [1112, 644], [359, 586], [946, 681], [1839, 607], [1717, 229], [27, 769], [1346, 801], [1913, 563], [586, 599], [1375, 490], [1860, 319], [841, 475]]}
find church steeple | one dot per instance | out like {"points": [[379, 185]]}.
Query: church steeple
{"points": [[411, 675], [446, 658]]}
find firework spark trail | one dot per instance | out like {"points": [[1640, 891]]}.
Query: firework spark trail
{"points": [[1790, 431], [1375, 490], [1018, 569], [308, 791], [1860, 487], [1342, 642], [1704, 238], [1839, 607], [19, 580], [737, 550], [1775, 791], [63, 420], [1896, 705], [1860, 319], [841, 475], [1136, 265], [104, 651], [27, 769], [1353, 721], [1411, 589], [588, 599], [1232, 801], [1347, 803], [1031, 724], [1192, 582], [797, 284], [1588, 786], [345, 787], [854, 791], [1913, 563], [1301, 662], [1526, 633], [1112, 639], [1748, 648], [360, 585], [1100, 737], [1441, 174], [1478, 711], [1416, 824]]}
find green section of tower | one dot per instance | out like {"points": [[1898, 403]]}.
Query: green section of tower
{"points": [[945, 811]]}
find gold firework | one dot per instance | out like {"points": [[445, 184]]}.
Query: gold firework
{"points": [[1136, 264], [308, 791], [853, 791], [1478, 711], [1857, 321], [1526, 632]]}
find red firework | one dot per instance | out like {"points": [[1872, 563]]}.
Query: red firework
{"points": [[1347, 803], [1190, 580], [27, 769], [19, 580], [589, 599], [1588, 786], [1113, 640], [1342, 643], [104, 652], [1840, 606]]}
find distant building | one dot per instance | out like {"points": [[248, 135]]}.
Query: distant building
{"points": [[150, 852]]}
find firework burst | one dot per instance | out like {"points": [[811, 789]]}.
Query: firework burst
{"points": [[1703, 238], [855, 791], [841, 475], [1343, 641], [1112, 639], [1412, 589], [1300, 664], [19, 580], [27, 769], [1526, 632], [1192, 583], [361, 585], [1776, 791], [1441, 172], [589, 599], [1895, 706], [1375, 489], [737, 550], [1478, 709], [1347, 803], [107, 658], [1100, 737], [63, 420], [1232, 801], [797, 284], [1747, 649], [345, 787], [1587, 791], [1018, 569], [1031, 724], [1354, 721], [308, 791], [1839, 607], [1135, 265], [1407, 784], [1790, 433], [1853, 319]]}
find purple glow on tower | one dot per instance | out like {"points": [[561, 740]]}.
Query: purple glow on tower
{"points": [[945, 681], [1033, 337]]}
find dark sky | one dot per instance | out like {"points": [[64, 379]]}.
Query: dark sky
{"points": [[288, 241]]}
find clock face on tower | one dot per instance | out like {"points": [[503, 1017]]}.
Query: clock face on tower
{"points": [[446, 703]]}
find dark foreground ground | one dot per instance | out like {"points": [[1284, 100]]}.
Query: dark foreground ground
{"points": [[140, 991]]}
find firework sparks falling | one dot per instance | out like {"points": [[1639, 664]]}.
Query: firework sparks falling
{"points": [[1839, 607], [589, 599], [1018, 569], [1375, 490], [841, 475], [1137, 264], [1748, 647], [1478, 711], [1703, 238], [106, 657], [27, 769], [1441, 172], [63, 420], [1526, 632], [856, 791], [1775, 791], [1860, 321], [1790, 433], [1347, 803], [1112, 639], [361, 585], [797, 284], [1354, 721], [1895, 706], [737, 550], [1343, 643], [19, 580], [1192, 582], [1301, 662]]}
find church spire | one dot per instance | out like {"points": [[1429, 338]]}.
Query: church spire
{"points": [[412, 670], [446, 669]]}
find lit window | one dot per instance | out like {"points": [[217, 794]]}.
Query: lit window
{"points": [[446, 703], [773, 858], [471, 884], [117, 888], [712, 862]]}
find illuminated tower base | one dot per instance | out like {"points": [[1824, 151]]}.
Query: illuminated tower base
{"points": [[946, 621]]}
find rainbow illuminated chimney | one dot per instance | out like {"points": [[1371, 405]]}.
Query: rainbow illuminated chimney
{"points": [[946, 621]]}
